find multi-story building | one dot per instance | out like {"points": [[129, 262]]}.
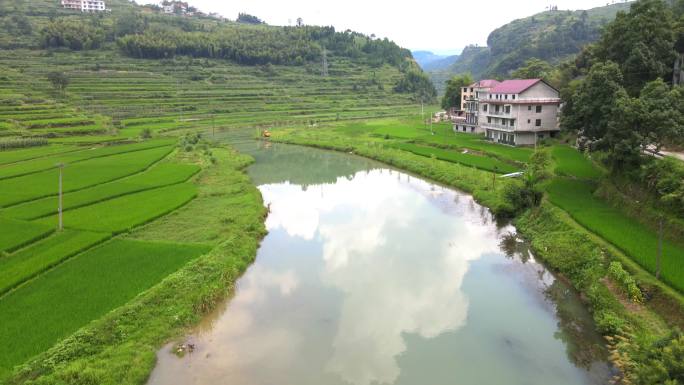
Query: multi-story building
{"points": [[85, 5], [520, 112], [470, 97]]}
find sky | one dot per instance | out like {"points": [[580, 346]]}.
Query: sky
{"points": [[441, 26]]}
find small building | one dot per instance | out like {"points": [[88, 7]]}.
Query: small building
{"points": [[520, 112], [470, 99], [175, 7], [84, 5]]}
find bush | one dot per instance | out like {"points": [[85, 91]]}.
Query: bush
{"points": [[626, 281], [22, 143], [609, 323], [146, 133]]}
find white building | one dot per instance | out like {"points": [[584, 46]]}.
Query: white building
{"points": [[470, 99], [85, 5], [520, 112]]}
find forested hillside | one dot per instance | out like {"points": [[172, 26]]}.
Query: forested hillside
{"points": [[550, 36]]}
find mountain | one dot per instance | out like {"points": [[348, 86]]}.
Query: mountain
{"points": [[426, 57], [551, 36], [440, 64]]}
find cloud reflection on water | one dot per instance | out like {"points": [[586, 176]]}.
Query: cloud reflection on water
{"points": [[397, 257]]}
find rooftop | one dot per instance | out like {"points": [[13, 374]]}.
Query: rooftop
{"points": [[514, 86], [485, 83]]}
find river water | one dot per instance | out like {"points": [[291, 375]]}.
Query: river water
{"points": [[369, 275]]}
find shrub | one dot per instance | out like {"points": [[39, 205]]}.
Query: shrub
{"points": [[626, 281], [22, 143]]}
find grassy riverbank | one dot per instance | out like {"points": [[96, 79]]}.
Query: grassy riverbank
{"points": [[580, 255], [119, 346]]}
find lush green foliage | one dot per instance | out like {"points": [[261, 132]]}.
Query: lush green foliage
{"points": [[248, 19], [7, 144], [642, 41], [418, 84], [73, 34], [15, 234], [86, 288], [529, 193], [533, 69], [665, 179], [26, 263], [452, 94], [635, 239], [626, 281]]}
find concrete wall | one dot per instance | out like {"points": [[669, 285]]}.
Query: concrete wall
{"points": [[528, 112], [539, 90]]}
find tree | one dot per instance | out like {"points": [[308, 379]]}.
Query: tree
{"points": [[417, 83], [662, 112], [300, 22], [642, 41], [59, 80], [130, 23], [249, 19], [533, 69], [452, 95], [529, 193]]}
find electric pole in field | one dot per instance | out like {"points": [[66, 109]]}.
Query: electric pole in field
{"points": [[59, 199]]}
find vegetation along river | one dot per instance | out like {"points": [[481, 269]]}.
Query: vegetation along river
{"points": [[369, 275]]}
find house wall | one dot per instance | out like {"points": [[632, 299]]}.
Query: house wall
{"points": [[527, 112], [539, 90], [524, 138]]}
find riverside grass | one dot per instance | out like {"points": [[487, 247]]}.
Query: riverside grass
{"points": [[120, 347]]}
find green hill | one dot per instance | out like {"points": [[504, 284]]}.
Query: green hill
{"points": [[551, 36]]}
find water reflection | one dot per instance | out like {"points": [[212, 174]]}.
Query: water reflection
{"points": [[376, 277]]}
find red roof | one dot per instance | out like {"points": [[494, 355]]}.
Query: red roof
{"points": [[514, 86], [486, 83]]}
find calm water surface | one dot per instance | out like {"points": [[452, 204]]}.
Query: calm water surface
{"points": [[372, 276]]}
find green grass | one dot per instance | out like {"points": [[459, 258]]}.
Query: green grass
{"points": [[15, 234], [84, 288], [635, 239], [455, 156], [163, 174], [25, 264], [78, 175], [126, 212], [570, 162]]}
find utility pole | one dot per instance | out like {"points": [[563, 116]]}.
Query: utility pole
{"points": [[59, 204], [660, 247]]}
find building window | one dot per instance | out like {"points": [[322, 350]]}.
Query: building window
{"points": [[529, 108], [465, 90], [506, 97], [513, 96], [529, 121], [537, 122], [508, 109], [484, 108], [539, 109], [489, 119], [471, 90], [512, 122]]}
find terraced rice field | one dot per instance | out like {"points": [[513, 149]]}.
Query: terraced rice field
{"points": [[109, 190], [114, 97]]}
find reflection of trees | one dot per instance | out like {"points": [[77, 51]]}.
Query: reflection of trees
{"points": [[576, 328], [514, 248], [303, 166]]}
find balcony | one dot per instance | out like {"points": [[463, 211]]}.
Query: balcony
{"points": [[498, 126], [499, 113]]}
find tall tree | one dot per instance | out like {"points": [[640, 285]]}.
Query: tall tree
{"points": [[452, 95], [642, 41], [533, 69]]}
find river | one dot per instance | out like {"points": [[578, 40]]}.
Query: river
{"points": [[369, 275]]}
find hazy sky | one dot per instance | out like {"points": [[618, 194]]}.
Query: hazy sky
{"points": [[437, 25]]}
